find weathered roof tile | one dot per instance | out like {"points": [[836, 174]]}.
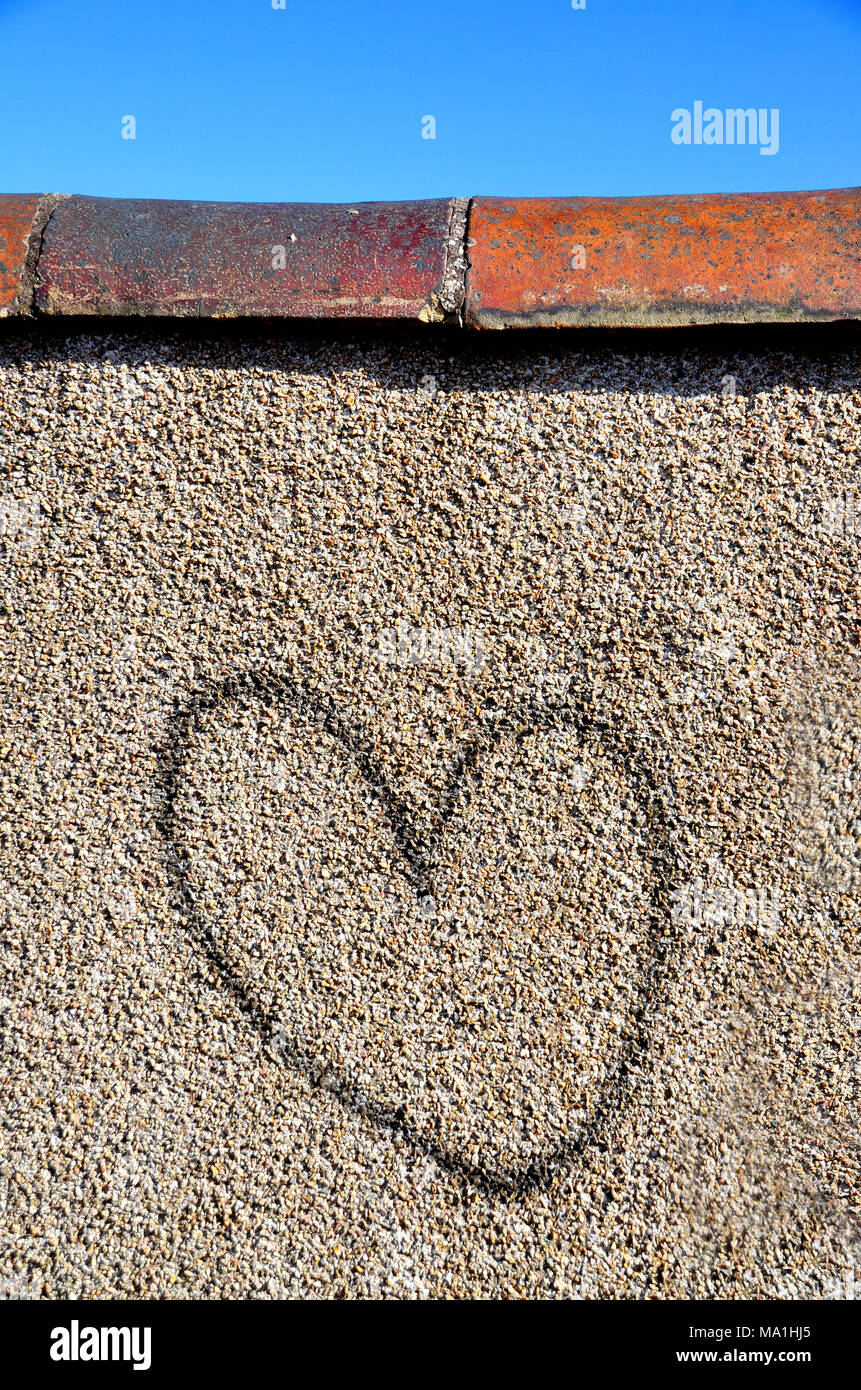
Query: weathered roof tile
{"points": [[152, 257], [498, 262], [17, 221], [705, 258]]}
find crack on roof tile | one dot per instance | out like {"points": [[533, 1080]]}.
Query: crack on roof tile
{"points": [[445, 305], [48, 204]]}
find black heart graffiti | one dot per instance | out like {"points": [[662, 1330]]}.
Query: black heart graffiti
{"points": [[483, 987]]}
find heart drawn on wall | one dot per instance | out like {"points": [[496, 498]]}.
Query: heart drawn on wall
{"points": [[481, 988]]}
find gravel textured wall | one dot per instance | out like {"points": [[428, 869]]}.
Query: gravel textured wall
{"points": [[431, 846]]}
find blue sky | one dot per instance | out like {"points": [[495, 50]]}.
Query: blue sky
{"points": [[324, 100]]}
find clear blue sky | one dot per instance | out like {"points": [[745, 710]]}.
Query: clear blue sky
{"points": [[323, 100]]}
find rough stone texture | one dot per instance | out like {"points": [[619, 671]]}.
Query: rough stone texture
{"points": [[704, 258], [430, 817], [112, 256]]}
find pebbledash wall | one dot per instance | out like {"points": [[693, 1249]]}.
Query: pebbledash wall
{"points": [[531, 656]]}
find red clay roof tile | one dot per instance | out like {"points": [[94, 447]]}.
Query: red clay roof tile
{"points": [[17, 219], [151, 257], [706, 258]]}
